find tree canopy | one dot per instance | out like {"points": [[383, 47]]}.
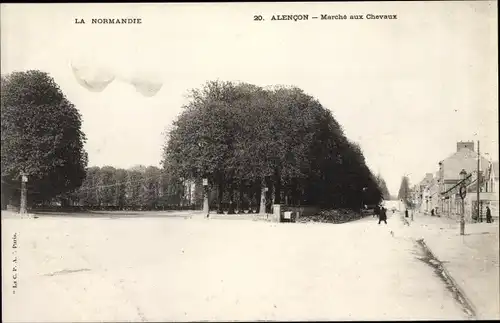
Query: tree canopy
{"points": [[139, 187], [383, 187], [243, 137], [404, 190], [41, 135]]}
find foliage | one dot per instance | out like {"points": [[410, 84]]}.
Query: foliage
{"points": [[332, 216], [404, 190], [139, 187], [41, 135], [242, 138], [383, 187]]}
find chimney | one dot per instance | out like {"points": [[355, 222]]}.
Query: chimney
{"points": [[465, 144]]}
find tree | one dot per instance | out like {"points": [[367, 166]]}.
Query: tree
{"points": [[134, 188], [404, 190], [383, 187], [106, 186], [171, 188], [120, 179], [203, 140], [88, 194], [244, 138], [41, 135], [151, 187]]}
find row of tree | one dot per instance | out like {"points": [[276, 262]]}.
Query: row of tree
{"points": [[276, 141], [149, 188], [255, 146], [137, 188]]}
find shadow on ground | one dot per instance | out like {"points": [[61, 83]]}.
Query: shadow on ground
{"points": [[116, 214]]}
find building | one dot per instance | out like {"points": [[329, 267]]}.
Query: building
{"points": [[491, 183], [433, 195], [488, 193], [423, 193], [465, 158]]}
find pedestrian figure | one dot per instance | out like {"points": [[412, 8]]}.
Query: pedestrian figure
{"points": [[376, 211], [488, 215], [382, 216], [406, 213], [432, 212]]}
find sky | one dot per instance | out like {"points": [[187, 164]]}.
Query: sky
{"points": [[406, 90]]}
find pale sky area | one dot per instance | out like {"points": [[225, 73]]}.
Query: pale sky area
{"points": [[406, 90]]}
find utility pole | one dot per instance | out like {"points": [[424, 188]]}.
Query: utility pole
{"points": [[462, 218], [24, 193], [477, 182], [463, 193]]}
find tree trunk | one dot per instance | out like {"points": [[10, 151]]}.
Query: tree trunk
{"points": [[231, 199], [294, 192], [254, 196], [239, 205], [220, 193], [262, 208], [206, 206]]}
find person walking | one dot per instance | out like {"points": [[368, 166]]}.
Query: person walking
{"points": [[488, 215], [383, 215], [376, 211], [406, 213]]}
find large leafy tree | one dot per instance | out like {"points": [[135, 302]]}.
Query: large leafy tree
{"points": [[203, 140], [41, 135], [241, 136]]}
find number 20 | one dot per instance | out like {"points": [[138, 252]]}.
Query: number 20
{"points": [[257, 18]]}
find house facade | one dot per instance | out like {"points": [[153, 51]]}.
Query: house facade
{"points": [[440, 191], [465, 158], [488, 193], [423, 193], [491, 181]]}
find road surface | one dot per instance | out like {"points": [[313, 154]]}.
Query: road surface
{"points": [[189, 269]]}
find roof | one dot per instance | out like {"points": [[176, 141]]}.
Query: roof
{"points": [[462, 159], [427, 179]]}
